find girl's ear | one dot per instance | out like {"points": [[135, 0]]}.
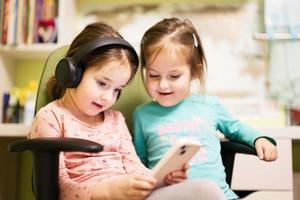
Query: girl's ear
{"points": [[194, 74]]}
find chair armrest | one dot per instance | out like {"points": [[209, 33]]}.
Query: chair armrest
{"points": [[46, 159], [228, 151], [53, 144], [236, 147]]}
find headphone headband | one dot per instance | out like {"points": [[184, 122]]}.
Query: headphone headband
{"points": [[69, 72], [102, 43]]}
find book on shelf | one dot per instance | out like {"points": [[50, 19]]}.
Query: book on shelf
{"points": [[28, 21], [1, 13], [21, 28], [5, 17], [12, 19]]}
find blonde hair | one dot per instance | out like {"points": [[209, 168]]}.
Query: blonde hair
{"points": [[181, 32]]}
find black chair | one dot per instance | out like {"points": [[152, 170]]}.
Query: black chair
{"points": [[228, 152], [46, 150], [45, 153]]}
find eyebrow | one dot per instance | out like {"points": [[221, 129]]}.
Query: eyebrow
{"points": [[106, 79], [175, 70], [110, 81]]}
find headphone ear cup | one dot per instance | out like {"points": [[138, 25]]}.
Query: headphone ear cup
{"points": [[67, 74], [77, 77]]}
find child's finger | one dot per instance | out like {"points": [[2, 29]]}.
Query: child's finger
{"points": [[186, 167], [144, 182], [142, 185], [178, 174], [272, 155], [149, 179], [172, 180], [268, 154], [275, 154], [260, 152]]}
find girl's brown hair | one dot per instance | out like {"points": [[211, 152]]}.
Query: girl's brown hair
{"points": [[180, 32], [91, 32]]}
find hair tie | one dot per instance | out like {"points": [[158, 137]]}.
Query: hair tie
{"points": [[195, 40]]}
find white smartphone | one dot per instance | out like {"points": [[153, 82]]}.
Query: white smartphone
{"points": [[175, 158]]}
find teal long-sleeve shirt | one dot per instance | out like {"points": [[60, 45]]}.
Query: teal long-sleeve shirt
{"points": [[157, 128]]}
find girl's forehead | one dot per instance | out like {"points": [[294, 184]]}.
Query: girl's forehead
{"points": [[114, 72], [168, 48], [168, 54], [111, 66]]}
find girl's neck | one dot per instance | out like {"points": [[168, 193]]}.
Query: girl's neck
{"points": [[68, 103]]}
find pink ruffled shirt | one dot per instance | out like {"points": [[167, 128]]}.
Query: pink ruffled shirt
{"points": [[79, 171]]}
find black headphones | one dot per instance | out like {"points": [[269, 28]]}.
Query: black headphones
{"points": [[69, 72]]}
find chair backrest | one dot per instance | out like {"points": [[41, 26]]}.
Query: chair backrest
{"points": [[133, 95], [49, 69]]}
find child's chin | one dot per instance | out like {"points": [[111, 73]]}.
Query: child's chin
{"points": [[167, 103]]}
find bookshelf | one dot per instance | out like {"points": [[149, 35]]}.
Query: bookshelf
{"points": [[66, 21], [11, 55], [32, 51]]}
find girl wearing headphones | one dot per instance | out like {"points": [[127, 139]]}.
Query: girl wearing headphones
{"points": [[87, 82]]}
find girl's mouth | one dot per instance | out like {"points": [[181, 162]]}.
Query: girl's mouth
{"points": [[165, 93], [97, 105]]}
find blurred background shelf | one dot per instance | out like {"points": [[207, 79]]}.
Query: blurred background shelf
{"points": [[275, 36], [33, 51], [13, 130]]}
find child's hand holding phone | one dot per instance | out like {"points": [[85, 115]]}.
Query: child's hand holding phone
{"points": [[177, 176], [135, 187], [172, 168]]}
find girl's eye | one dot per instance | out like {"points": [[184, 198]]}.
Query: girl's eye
{"points": [[101, 83], [117, 90], [174, 76], [153, 76]]}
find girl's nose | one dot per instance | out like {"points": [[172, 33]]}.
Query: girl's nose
{"points": [[163, 84], [106, 96]]}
